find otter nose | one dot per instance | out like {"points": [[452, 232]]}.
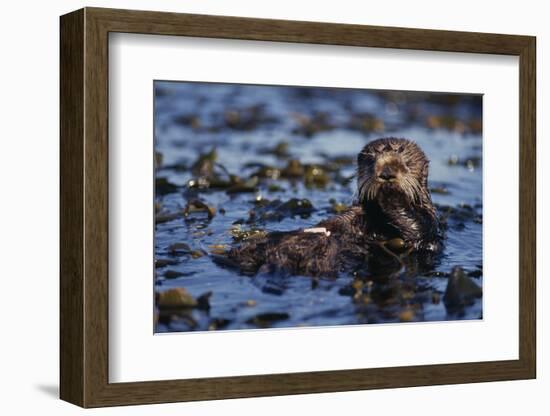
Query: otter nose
{"points": [[387, 174]]}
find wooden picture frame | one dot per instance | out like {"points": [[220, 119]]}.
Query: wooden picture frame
{"points": [[84, 207]]}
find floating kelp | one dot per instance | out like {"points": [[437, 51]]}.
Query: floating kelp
{"points": [[315, 176], [177, 166], [158, 159], [294, 169], [176, 298], [280, 150], [309, 125], [173, 274], [440, 190], [182, 248], [265, 320], [232, 184], [178, 307], [266, 172], [275, 188], [212, 175], [458, 214], [455, 124], [471, 162], [197, 206], [185, 249], [204, 165], [312, 175], [366, 123], [476, 273], [164, 187], [334, 163], [277, 210], [163, 262], [475, 125], [337, 207], [358, 289], [240, 234], [408, 314], [447, 122], [197, 254], [218, 323], [248, 118], [189, 120], [396, 244], [238, 185], [219, 249], [162, 217], [241, 119], [388, 298], [436, 273], [199, 184]]}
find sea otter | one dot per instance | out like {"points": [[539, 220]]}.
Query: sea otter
{"points": [[393, 204]]}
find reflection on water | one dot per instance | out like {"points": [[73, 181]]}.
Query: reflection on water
{"points": [[236, 161]]}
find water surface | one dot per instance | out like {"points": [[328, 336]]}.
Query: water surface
{"points": [[250, 128]]}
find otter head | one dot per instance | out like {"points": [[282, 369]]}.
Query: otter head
{"points": [[392, 183], [392, 169]]}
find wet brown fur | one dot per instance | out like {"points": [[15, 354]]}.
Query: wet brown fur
{"points": [[393, 201]]}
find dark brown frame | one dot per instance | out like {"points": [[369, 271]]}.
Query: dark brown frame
{"points": [[84, 208]]}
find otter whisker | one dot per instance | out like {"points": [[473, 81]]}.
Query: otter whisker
{"points": [[412, 189], [372, 190], [367, 187]]}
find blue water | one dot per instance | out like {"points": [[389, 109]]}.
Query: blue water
{"points": [[192, 118]]}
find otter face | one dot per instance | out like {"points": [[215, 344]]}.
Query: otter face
{"points": [[392, 166]]}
